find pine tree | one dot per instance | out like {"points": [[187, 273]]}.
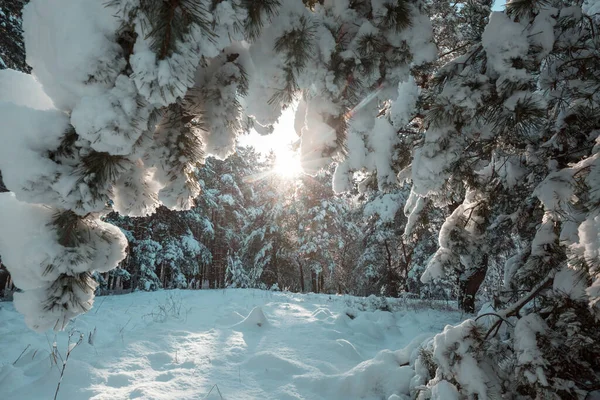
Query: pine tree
{"points": [[391, 262], [267, 246], [499, 134], [188, 249], [511, 147], [125, 120], [343, 62], [12, 51], [236, 274], [324, 234]]}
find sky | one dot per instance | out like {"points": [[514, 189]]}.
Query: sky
{"points": [[287, 160], [279, 141]]}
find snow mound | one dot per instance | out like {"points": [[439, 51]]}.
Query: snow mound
{"points": [[322, 313], [256, 318], [380, 377], [274, 365]]}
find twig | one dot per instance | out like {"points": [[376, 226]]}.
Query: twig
{"points": [[91, 339], [121, 330], [513, 311], [54, 351], [103, 300], [69, 350], [515, 308], [455, 49], [210, 391], [495, 315], [21, 355]]}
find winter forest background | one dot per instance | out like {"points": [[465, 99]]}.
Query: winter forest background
{"points": [[448, 152], [251, 227]]}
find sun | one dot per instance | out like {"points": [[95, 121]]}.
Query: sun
{"points": [[282, 142], [287, 163]]}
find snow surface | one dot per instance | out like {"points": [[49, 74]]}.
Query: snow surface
{"points": [[252, 344]]}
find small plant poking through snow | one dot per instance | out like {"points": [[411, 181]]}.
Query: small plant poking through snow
{"points": [[71, 345], [173, 307]]}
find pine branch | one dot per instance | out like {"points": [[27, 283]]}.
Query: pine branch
{"points": [[66, 147], [340, 126], [257, 9], [287, 94], [187, 147], [169, 21], [99, 170], [513, 311], [71, 229], [63, 296], [397, 16], [103, 168], [370, 45], [524, 8], [297, 44]]}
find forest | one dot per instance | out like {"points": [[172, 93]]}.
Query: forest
{"points": [[437, 151]]}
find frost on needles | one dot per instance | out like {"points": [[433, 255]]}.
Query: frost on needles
{"points": [[495, 132], [511, 149], [126, 98]]}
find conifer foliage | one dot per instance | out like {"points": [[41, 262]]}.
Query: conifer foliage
{"points": [[112, 118], [12, 51], [510, 146], [444, 121], [127, 97]]}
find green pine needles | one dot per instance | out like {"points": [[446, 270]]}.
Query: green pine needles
{"points": [[259, 13], [169, 22]]}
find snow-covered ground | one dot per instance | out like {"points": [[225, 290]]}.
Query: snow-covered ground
{"points": [[251, 344]]}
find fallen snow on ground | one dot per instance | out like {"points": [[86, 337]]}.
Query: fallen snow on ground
{"points": [[242, 344]]}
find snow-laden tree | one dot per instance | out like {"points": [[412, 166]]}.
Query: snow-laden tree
{"points": [[237, 277], [325, 234], [127, 96], [457, 25], [343, 60], [267, 246], [12, 50], [189, 248], [511, 148], [162, 249], [221, 211], [110, 114], [392, 262], [12, 55]]}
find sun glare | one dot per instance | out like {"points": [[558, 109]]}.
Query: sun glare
{"points": [[281, 143], [287, 163]]}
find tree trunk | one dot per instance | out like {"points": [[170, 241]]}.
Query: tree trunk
{"points": [[391, 284], [301, 276], [136, 277], [4, 279], [469, 286], [406, 266], [313, 279], [321, 281]]}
